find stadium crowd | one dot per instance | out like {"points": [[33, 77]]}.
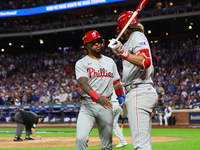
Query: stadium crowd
{"points": [[66, 19], [48, 78], [42, 78]]}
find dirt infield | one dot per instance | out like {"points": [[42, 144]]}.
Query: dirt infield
{"points": [[67, 141]]}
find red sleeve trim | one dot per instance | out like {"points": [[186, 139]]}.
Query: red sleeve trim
{"points": [[117, 81]]}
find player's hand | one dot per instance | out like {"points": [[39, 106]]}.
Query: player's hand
{"points": [[124, 111], [38, 137], [117, 48], [104, 102]]}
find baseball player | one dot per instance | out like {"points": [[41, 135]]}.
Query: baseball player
{"points": [[28, 119], [141, 97], [165, 115], [116, 129], [97, 75]]}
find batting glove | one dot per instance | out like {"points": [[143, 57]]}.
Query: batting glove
{"points": [[121, 98], [117, 48], [124, 111]]}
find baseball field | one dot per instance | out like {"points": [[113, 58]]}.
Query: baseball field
{"points": [[63, 138]]}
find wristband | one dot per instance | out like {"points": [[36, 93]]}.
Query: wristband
{"points": [[119, 91], [127, 56], [94, 95]]}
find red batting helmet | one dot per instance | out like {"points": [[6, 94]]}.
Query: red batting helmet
{"points": [[123, 19], [90, 36]]}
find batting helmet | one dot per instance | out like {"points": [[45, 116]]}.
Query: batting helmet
{"points": [[123, 19], [90, 36]]}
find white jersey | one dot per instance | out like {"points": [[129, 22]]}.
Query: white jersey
{"points": [[100, 73], [133, 74], [168, 111]]}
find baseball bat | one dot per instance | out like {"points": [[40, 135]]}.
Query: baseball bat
{"points": [[138, 9], [122, 125]]}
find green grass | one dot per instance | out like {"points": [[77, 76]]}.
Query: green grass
{"points": [[190, 141]]}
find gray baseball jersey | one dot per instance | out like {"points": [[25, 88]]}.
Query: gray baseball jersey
{"points": [[141, 97], [131, 73], [101, 74]]}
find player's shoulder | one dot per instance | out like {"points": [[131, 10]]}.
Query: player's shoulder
{"points": [[80, 61], [137, 34]]}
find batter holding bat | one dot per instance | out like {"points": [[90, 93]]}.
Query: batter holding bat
{"points": [[97, 75], [141, 97]]}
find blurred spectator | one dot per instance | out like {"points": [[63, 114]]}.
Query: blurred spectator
{"points": [[17, 102], [167, 112], [66, 111], [63, 96], [185, 106], [31, 108], [57, 101], [158, 6], [74, 114]]}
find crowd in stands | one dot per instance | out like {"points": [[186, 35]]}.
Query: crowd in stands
{"points": [[45, 78], [21, 4], [66, 19]]}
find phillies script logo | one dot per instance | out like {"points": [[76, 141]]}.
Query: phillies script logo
{"points": [[100, 73]]}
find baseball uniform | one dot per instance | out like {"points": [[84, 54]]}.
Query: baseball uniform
{"points": [[101, 74], [166, 114], [116, 129], [141, 97]]}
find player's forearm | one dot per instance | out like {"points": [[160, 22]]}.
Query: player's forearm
{"points": [[137, 60], [83, 82], [34, 132], [118, 86]]}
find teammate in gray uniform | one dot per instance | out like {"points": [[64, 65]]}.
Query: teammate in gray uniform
{"points": [[141, 97], [28, 119], [116, 129], [97, 75]]}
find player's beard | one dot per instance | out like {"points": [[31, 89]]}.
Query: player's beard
{"points": [[96, 50]]}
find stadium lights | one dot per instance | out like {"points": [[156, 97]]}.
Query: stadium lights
{"points": [[41, 41], [149, 31], [22, 46], [189, 27], [10, 44], [2, 50]]}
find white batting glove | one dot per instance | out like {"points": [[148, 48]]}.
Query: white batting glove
{"points": [[117, 48]]}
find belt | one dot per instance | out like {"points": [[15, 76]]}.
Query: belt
{"points": [[133, 86], [84, 98]]}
